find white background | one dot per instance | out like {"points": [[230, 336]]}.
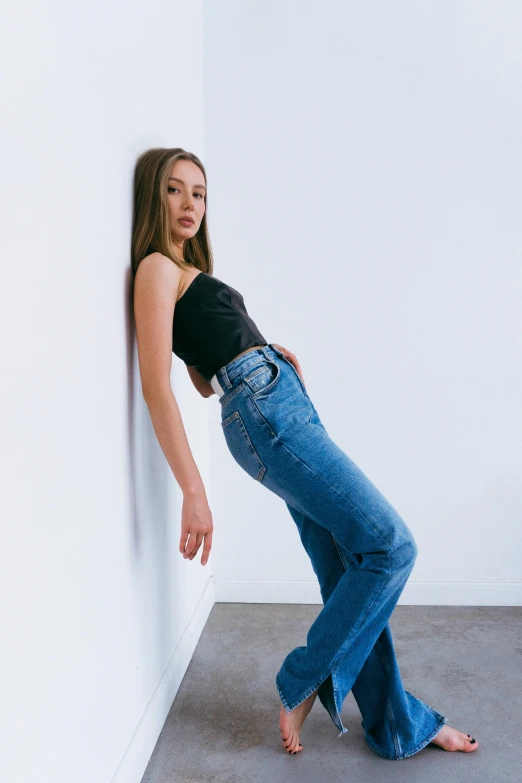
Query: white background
{"points": [[365, 197], [366, 200]]}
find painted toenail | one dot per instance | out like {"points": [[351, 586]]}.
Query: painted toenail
{"points": [[469, 735], [472, 741]]}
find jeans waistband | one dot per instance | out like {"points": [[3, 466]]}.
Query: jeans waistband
{"points": [[222, 381]]}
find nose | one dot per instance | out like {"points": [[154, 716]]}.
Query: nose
{"points": [[189, 202]]}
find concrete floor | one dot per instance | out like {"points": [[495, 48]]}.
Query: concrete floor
{"points": [[223, 726]]}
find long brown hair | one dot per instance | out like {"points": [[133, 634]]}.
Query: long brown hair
{"points": [[150, 224]]}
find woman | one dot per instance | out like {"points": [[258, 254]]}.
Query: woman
{"points": [[361, 550]]}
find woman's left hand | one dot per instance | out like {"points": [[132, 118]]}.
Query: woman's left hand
{"points": [[291, 358]]}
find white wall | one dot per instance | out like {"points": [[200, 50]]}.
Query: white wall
{"points": [[364, 191], [100, 613], [366, 197]]}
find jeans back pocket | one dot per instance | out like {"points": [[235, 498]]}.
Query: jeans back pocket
{"points": [[241, 447]]}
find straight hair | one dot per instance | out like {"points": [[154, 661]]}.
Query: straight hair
{"points": [[150, 223]]}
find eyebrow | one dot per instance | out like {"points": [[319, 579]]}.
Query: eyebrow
{"points": [[175, 179]]}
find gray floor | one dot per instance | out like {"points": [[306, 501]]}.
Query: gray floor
{"points": [[223, 726]]}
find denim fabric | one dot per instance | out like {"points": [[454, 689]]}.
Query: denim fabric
{"points": [[361, 551]]}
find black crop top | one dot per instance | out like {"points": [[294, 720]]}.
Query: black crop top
{"points": [[211, 325]]}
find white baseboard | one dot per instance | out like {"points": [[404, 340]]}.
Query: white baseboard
{"points": [[143, 741], [415, 593]]}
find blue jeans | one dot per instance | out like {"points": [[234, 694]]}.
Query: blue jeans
{"points": [[361, 551]]}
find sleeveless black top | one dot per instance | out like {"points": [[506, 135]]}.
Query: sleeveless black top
{"points": [[211, 325]]}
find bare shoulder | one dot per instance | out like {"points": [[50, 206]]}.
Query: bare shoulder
{"points": [[155, 290], [157, 269], [156, 287]]}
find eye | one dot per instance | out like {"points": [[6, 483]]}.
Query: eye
{"points": [[196, 194]]}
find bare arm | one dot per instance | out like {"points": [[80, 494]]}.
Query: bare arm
{"points": [[203, 387], [155, 290]]}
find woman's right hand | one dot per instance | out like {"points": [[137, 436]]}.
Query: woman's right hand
{"points": [[196, 526]]}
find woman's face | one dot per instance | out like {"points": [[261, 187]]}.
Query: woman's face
{"points": [[186, 199]]}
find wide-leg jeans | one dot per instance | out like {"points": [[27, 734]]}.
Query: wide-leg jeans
{"points": [[361, 551]]}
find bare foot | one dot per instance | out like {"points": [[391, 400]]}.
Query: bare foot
{"points": [[290, 723], [451, 739]]}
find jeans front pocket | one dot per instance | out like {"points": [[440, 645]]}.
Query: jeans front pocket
{"points": [[241, 447], [283, 357], [263, 379]]}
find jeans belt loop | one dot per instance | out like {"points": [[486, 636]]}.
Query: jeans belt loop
{"points": [[266, 348]]}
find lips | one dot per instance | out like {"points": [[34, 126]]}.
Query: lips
{"points": [[186, 221]]}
